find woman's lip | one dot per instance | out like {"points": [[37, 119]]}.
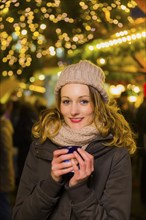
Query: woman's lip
{"points": [[76, 120]]}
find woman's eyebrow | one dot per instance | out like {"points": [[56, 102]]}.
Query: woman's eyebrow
{"points": [[83, 96]]}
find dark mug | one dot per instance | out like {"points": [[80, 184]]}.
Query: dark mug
{"points": [[71, 149]]}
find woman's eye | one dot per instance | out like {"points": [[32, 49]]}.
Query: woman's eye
{"points": [[65, 102], [84, 102]]}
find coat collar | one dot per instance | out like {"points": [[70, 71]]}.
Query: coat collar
{"points": [[45, 150]]}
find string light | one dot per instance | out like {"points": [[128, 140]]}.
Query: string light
{"points": [[116, 41], [35, 30]]}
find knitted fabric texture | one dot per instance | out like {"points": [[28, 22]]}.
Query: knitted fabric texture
{"points": [[85, 73], [71, 137]]}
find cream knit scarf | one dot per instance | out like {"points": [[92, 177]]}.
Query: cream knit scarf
{"points": [[72, 137]]}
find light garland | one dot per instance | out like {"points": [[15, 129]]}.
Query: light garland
{"points": [[120, 40], [35, 30]]}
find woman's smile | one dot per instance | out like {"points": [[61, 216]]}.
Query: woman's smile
{"points": [[76, 120], [76, 107]]}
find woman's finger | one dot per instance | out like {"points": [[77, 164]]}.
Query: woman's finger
{"points": [[88, 158], [85, 161]]}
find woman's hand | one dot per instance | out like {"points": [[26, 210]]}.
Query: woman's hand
{"points": [[83, 169], [61, 164]]}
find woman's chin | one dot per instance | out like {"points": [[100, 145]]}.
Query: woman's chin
{"points": [[76, 126]]}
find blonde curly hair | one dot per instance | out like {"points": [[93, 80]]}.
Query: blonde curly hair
{"points": [[107, 119]]}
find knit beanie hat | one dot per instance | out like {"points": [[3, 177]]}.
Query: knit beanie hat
{"points": [[85, 73]]}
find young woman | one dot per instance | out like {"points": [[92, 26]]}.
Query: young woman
{"points": [[92, 182]]}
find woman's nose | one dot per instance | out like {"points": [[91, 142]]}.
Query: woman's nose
{"points": [[74, 109]]}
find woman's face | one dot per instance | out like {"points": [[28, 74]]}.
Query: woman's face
{"points": [[76, 105]]}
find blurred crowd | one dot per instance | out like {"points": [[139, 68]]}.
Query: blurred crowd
{"points": [[17, 117], [136, 118], [16, 120]]}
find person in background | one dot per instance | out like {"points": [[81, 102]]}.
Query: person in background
{"points": [[127, 110], [95, 180], [40, 105], [7, 171], [141, 143], [26, 117]]}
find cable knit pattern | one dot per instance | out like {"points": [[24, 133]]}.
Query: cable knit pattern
{"points": [[85, 73], [71, 137]]}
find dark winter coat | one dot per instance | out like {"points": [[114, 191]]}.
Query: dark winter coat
{"points": [[7, 172], [106, 195]]}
